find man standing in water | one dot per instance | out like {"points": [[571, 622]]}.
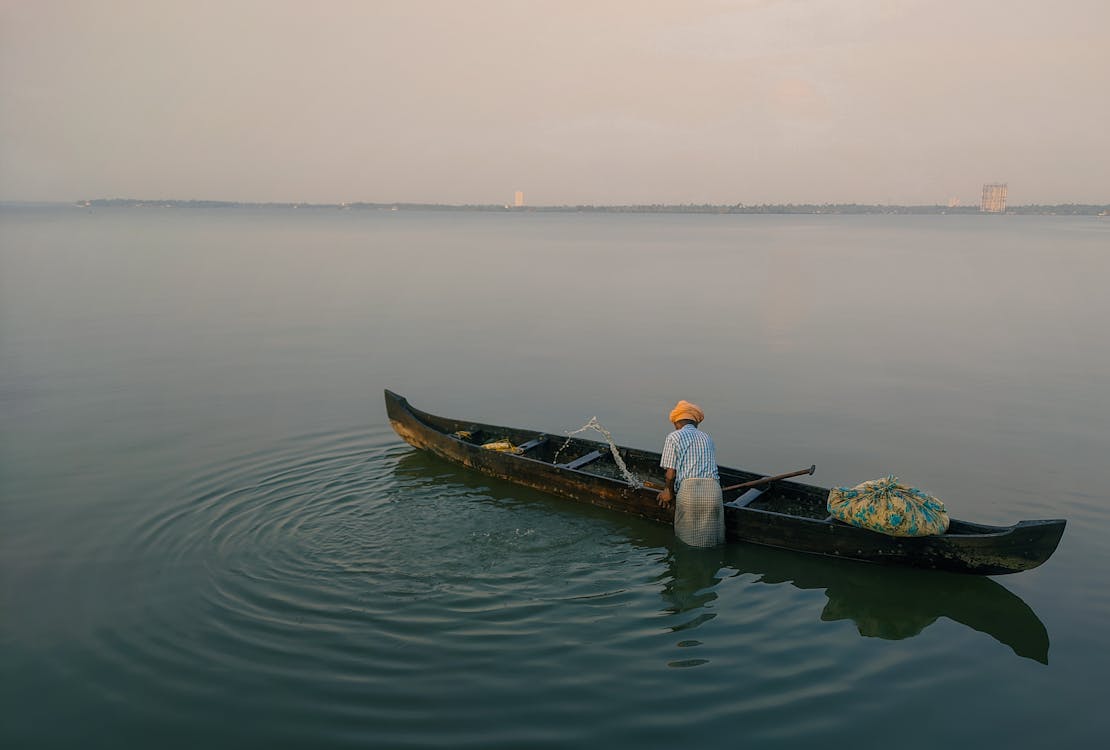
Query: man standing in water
{"points": [[690, 459]]}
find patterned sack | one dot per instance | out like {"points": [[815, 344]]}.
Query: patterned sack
{"points": [[885, 506]]}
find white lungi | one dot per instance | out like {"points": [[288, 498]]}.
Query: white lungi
{"points": [[699, 515]]}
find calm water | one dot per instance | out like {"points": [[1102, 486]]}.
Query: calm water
{"points": [[209, 533]]}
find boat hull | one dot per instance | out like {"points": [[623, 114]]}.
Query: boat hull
{"points": [[967, 548]]}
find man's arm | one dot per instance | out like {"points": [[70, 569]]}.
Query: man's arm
{"points": [[666, 497]]}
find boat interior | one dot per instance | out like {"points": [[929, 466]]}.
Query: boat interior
{"points": [[596, 459]]}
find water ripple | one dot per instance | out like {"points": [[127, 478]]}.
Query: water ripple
{"points": [[358, 583]]}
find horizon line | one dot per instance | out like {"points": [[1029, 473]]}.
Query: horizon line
{"points": [[502, 206]]}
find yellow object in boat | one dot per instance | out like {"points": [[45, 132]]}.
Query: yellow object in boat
{"points": [[501, 446]]}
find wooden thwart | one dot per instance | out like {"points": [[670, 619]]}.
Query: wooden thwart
{"points": [[588, 458], [525, 447], [746, 499]]}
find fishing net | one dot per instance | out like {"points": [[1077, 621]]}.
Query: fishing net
{"points": [[594, 425], [888, 507]]}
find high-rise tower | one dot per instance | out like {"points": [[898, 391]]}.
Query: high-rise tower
{"points": [[994, 199]]}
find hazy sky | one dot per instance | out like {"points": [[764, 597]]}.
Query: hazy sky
{"points": [[877, 101]]}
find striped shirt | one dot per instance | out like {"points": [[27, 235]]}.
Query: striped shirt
{"points": [[691, 453]]}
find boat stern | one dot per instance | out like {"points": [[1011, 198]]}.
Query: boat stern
{"points": [[402, 419]]}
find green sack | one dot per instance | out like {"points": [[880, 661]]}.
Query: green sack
{"points": [[888, 507]]}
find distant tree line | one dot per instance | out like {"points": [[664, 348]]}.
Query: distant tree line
{"points": [[1069, 209]]}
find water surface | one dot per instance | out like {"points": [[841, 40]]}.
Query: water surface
{"points": [[210, 534]]}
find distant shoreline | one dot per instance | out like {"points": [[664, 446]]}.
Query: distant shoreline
{"points": [[1067, 209]]}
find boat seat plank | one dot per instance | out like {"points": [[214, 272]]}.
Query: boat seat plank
{"points": [[525, 447], [746, 499], [578, 462]]}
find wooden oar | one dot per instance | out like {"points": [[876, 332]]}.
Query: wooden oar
{"points": [[753, 483], [767, 480]]}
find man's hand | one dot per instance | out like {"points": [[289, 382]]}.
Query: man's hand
{"points": [[666, 497]]}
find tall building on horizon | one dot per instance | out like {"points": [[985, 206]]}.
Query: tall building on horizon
{"points": [[518, 198], [994, 198]]}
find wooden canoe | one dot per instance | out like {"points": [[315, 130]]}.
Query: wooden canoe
{"points": [[788, 515]]}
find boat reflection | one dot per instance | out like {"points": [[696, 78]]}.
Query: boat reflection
{"points": [[891, 603]]}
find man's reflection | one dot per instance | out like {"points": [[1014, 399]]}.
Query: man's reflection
{"points": [[889, 603]]}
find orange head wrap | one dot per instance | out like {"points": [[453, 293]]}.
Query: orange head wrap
{"points": [[686, 410]]}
